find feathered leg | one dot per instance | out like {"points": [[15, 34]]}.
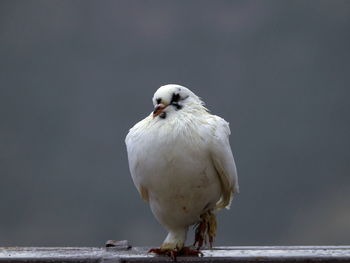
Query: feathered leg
{"points": [[205, 230], [173, 245]]}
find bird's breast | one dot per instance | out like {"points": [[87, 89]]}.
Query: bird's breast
{"points": [[175, 166], [181, 166]]}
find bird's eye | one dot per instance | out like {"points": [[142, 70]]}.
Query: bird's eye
{"points": [[175, 97], [175, 101], [158, 100]]}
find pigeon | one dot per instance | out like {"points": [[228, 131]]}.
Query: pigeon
{"points": [[181, 163]]}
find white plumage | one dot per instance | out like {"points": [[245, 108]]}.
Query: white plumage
{"points": [[181, 161]]}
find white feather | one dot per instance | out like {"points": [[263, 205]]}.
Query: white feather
{"points": [[183, 164]]}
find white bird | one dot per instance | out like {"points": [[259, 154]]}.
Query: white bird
{"points": [[181, 163]]}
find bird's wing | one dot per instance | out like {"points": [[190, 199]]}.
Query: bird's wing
{"points": [[134, 164], [223, 161], [136, 179], [143, 192]]}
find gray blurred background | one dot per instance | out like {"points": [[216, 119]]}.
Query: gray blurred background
{"points": [[76, 75]]}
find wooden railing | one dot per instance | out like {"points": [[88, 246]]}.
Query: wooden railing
{"points": [[122, 252]]}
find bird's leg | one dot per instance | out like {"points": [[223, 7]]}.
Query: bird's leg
{"points": [[174, 253], [205, 230], [173, 245], [211, 230], [199, 237]]}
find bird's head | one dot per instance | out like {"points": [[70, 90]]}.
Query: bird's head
{"points": [[171, 98]]}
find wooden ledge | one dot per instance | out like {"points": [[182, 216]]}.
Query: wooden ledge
{"points": [[263, 254]]}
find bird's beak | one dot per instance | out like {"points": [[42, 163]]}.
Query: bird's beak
{"points": [[158, 109]]}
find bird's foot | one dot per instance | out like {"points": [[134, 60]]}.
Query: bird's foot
{"points": [[174, 253], [205, 230]]}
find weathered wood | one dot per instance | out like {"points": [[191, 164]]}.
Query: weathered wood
{"points": [[121, 253]]}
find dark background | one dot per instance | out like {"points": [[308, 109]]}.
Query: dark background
{"points": [[76, 75]]}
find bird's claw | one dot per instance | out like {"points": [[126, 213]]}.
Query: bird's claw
{"points": [[174, 253]]}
